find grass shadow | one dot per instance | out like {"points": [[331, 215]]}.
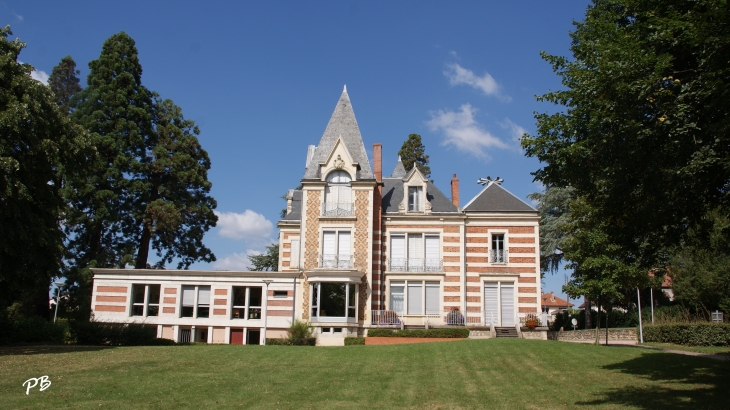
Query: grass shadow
{"points": [[49, 349], [679, 382]]}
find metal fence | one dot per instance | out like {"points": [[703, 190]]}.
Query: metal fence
{"points": [[387, 318], [498, 256], [338, 209], [336, 261]]}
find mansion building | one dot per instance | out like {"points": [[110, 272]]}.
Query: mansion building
{"points": [[357, 250]]}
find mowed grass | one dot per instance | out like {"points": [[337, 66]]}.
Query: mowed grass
{"points": [[492, 373], [713, 350]]}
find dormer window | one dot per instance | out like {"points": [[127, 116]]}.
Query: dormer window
{"points": [[338, 195], [415, 199]]}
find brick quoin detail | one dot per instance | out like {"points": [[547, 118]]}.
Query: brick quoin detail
{"points": [[219, 311], [518, 239], [112, 289], [476, 239], [510, 229], [472, 279], [488, 269], [220, 302], [170, 291], [168, 310], [169, 300], [361, 248], [279, 302], [312, 233], [122, 299], [451, 229], [279, 312], [285, 263], [526, 280], [521, 250], [451, 269], [524, 309], [474, 249], [526, 300], [222, 292], [452, 239], [286, 245], [473, 289], [475, 309], [452, 298], [476, 259], [473, 299], [451, 249], [526, 290], [286, 254], [452, 279], [452, 288], [452, 258], [450, 308], [522, 260], [107, 308]]}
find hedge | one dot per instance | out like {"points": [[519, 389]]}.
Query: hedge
{"points": [[452, 332], [115, 334], [689, 334], [281, 341], [351, 341], [31, 330]]}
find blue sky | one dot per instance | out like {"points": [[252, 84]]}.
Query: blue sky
{"points": [[261, 80]]}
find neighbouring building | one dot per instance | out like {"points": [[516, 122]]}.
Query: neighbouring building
{"points": [[357, 250], [551, 305]]}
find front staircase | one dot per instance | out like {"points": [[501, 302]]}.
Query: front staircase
{"points": [[506, 332]]}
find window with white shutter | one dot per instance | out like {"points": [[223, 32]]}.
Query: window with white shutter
{"points": [[188, 301], [415, 252], [433, 258], [294, 254], [415, 298], [397, 253], [432, 298]]}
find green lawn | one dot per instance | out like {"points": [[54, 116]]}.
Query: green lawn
{"points": [[464, 374], [715, 350]]}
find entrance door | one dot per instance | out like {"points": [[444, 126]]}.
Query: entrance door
{"points": [[491, 304], [507, 292], [254, 337], [499, 304], [185, 335], [236, 336]]}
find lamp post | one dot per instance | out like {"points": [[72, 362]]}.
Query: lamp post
{"points": [[266, 307], [60, 286]]}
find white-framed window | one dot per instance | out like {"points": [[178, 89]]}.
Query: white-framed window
{"points": [[415, 297], [336, 249], [246, 302], [415, 252], [145, 300], [333, 300], [498, 251], [195, 301], [415, 199], [338, 195], [294, 254], [499, 303]]}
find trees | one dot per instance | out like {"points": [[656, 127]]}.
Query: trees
{"points": [[413, 151], [39, 147], [268, 261], [553, 206], [64, 82], [644, 139]]}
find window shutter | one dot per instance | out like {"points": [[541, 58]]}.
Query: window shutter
{"points": [[344, 244], [415, 298], [432, 298], [491, 301], [396, 297], [329, 244], [508, 304], [415, 252], [188, 295], [397, 247], [204, 295], [432, 247], [294, 258]]}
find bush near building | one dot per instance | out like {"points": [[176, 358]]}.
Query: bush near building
{"points": [[689, 334], [455, 333]]}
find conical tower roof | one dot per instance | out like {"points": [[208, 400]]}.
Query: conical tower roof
{"points": [[342, 124], [399, 171]]}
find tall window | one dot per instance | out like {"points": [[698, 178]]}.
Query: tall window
{"points": [[246, 302], [333, 300], [415, 252], [195, 301], [294, 254], [338, 195], [499, 254], [145, 300], [336, 251], [417, 297], [415, 198]]}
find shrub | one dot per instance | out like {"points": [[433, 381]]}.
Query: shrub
{"points": [[24, 330], [279, 341], [689, 334], [457, 332], [300, 334], [352, 341], [114, 334]]}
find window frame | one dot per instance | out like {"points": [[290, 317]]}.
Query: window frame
{"points": [[494, 252], [348, 264], [423, 284], [196, 301], [425, 266], [248, 309], [339, 207], [352, 291], [416, 201], [145, 304]]}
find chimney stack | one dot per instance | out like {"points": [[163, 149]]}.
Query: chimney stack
{"points": [[455, 191], [378, 161]]}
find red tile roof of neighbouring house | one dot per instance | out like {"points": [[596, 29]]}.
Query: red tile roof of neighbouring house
{"points": [[549, 299]]}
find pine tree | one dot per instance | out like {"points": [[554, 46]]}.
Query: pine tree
{"points": [[268, 261], [64, 82], [413, 151]]}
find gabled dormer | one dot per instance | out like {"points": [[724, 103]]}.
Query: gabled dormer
{"points": [[339, 159], [415, 188]]}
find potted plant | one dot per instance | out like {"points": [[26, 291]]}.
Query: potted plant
{"points": [[530, 321]]}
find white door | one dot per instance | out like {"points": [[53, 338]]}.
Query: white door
{"points": [[507, 291], [491, 304]]}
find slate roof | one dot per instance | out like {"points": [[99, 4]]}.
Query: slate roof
{"points": [[342, 123], [399, 171], [296, 208], [494, 198], [393, 195]]}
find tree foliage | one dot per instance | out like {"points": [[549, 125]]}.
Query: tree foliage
{"points": [[64, 82], [644, 138], [553, 206], [268, 261], [39, 148], [413, 151]]}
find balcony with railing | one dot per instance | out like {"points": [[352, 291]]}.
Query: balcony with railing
{"points": [[338, 209], [392, 318], [498, 256], [335, 261], [416, 265]]}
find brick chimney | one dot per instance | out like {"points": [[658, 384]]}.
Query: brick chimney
{"points": [[455, 191], [378, 161]]}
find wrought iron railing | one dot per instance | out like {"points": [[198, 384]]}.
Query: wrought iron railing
{"points": [[336, 261], [416, 265], [498, 256], [338, 209], [385, 318]]}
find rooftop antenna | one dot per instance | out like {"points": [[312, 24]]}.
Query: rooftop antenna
{"points": [[488, 181]]}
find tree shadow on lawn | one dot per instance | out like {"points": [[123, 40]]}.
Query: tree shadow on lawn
{"points": [[679, 382], [49, 349]]}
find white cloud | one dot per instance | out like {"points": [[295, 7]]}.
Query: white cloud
{"points": [[39, 76], [235, 261], [515, 131], [486, 83], [18, 16], [461, 130], [246, 225]]}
